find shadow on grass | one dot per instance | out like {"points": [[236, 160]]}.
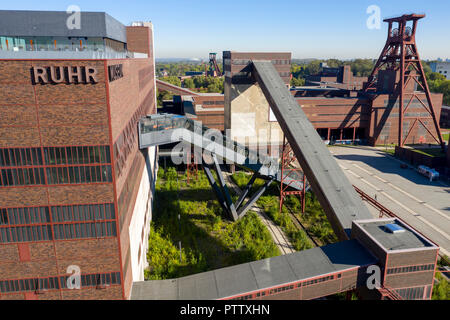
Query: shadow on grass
{"points": [[208, 241]]}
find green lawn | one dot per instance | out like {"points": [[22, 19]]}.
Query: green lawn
{"points": [[445, 136], [208, 239]]}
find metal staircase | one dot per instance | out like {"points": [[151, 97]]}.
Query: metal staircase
{"points": [[216, 149]]}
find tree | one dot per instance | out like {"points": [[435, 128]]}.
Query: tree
{"points": [[173, 80], [297, 82], [362, 67], [189, 83]]}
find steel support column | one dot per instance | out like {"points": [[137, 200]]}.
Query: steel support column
{"points": [[192, 166], [246, 190], [254, 198], [225, 190], [287, 170]]}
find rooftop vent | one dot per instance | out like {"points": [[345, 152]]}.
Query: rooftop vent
{"points": [[394, 228]]}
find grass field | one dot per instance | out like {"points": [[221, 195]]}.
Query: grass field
{"points": [[208, 239]]}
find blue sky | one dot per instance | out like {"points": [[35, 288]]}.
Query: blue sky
{"points": [[308, 29]]}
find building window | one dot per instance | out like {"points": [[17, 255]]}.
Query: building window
{"points": [[67, 231], [76, 155], [408, 269], [79, 174], [69, 222], [20, 157], [25, 166], [22, 177], [24, 216], [26, 234], [23, 285], [93, 280]]}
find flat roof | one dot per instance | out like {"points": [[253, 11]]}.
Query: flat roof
{"points": [[257, 275], [24, 23], [408, 239]]}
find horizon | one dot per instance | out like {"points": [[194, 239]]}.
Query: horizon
{"points": [[325, 30]]}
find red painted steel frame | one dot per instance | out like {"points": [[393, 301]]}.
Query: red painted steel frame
{"points": [[192, 167], [287, 159], [401, 55]]}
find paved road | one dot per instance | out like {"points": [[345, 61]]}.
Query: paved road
{"points": [[423, 204]]}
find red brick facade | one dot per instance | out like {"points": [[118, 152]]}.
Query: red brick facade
{"points": [[75, 115]]}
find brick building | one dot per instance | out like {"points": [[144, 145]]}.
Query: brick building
{"points": [[444, 121], [332, 102], [205, 107], [247, 113], [75, 190], [341, 78]]}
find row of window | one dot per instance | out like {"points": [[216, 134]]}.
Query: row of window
{"points": [[281, 289], [77, 155], [413, 293], [26, 234], [41, 215], [410, 269], [216, 102], [61, 232], [247, 61], [84, 230], [247, 297], [29, 285], [20, 216], [52, 283], [76, 175], [60, 44], [17, 157], [319, 280], [289, 287], [88, 212], [22, 177], [55, 175], [93, 280]]}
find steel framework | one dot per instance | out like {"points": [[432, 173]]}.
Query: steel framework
{"points": [[288, 169], [214, 70], [192, 166], [400, 54], [238, 209]]}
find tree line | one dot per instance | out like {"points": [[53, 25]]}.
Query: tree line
{"points": [[360, 67]]}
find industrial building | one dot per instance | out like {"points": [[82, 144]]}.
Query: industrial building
{"points": [[405, 258], [341, 78], [334, 107], [442, 67], [78, 162], [75, 190]]}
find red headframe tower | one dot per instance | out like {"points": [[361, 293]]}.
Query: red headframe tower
{"points": [[214, 70], [401, 57]]}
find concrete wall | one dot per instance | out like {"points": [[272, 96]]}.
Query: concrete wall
{"points": [[247, 112]]}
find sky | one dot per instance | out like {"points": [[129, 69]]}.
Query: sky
{"points": [[309, 29]]}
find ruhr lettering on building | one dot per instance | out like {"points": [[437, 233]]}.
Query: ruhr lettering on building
{"points": [[115, 72], [64, 74]]}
